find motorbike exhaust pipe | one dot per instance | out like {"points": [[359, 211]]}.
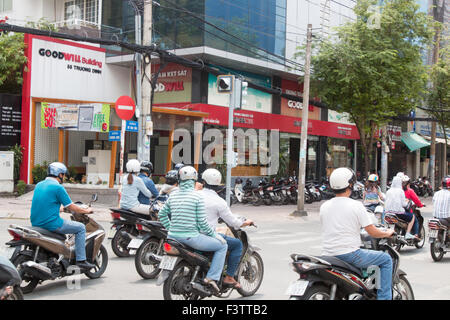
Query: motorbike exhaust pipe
{"points": [[37, 270], [151, 258], [200, 289]]}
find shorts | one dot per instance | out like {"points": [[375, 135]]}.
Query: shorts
{"points": [[407, 216]]}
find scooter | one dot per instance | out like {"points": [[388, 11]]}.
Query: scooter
{"points": [[42, 255], [9, 281], [439, 239]]}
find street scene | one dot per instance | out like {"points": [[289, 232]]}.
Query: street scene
{"points": [[224, 150]]}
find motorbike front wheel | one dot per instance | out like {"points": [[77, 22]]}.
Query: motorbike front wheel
{"points": [[179, 278], [403, 290], [421, 243], [100, 262], [145, 268], [250, 275]]}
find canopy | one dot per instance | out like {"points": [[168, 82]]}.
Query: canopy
{"points": [[413, 141], [438, 140]]}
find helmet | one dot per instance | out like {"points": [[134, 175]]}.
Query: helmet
{"points": [[212, 177], [405, 178], [342, 178], [171, 177], [188, 173], [133, 165], [238, 181], [400, 174], [373, 178], [446, 182], [178, 166], [147, 166], [56, 168]]}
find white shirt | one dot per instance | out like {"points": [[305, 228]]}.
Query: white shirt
{"points": [[216, 207], [342, 219], [441, 204]]}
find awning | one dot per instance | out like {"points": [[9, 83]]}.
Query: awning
{"points": [[413, 141], [438, 140]]}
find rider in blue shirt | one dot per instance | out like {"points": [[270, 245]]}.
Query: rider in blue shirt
{"points": [[145, 174], [49, 195]]}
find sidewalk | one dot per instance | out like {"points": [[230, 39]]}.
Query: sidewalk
{"points": [[19, 208]]}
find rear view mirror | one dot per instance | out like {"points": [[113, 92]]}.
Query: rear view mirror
{"points": [[94, 197]]}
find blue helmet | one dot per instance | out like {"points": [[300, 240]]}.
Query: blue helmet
{"points": [[56, 168], [178, 166]]}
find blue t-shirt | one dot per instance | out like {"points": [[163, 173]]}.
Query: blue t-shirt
{"points": [[150, 186], [48, 197]]}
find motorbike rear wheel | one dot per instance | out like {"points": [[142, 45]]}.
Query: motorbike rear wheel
{"points": [[437, 253], [119, 245], [421, 243], [28, 283], [145, 270], [250, 275], [16, 295], [174, 285], [316, 292]]}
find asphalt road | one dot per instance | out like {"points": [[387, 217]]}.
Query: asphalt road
{"points": [[278, 235]]}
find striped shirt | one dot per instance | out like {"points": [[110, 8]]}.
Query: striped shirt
{"points": [[187, 213], [441, 204]]}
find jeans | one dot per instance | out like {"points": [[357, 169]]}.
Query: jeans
{"points": [[235, 248], [363, 258], [77, 228], [206, 243]]}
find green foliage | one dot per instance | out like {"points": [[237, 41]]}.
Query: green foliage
{"points": [[374, 73], [21, 187], [39, 172], [18, 155]]}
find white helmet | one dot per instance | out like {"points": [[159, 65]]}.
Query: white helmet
{"points": [[400, 174], [213, 177], [188, 173], [133, 165], [405, 178], [341, 178]]}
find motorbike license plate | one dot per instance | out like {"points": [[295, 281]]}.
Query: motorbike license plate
{"points": [[261, 192], [135, 243], [297, 288], [112, 232], [432, 233], [7, 252], [168, 262]]}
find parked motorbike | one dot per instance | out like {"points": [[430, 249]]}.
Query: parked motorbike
{"points": [[400, 227], [329, 278], [184, 268], [44, 255], [123, 228], [313, 191], [439, 239], [9, 281], [243, 193]]}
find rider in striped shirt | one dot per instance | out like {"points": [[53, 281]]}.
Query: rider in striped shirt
{"points": [[441, 202]]}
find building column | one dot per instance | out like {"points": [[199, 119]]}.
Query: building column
{"points": [[61, 146]]}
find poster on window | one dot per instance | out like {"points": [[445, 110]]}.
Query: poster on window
{"points": [[89, 117]]}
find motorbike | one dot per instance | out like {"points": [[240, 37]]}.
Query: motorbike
{"points": [[184, 268], [358, 190], [9, 281], [42, 255], [244, 192], [439, 239], [313, 191], [400, 227], [123, 227], [149, 248], [325, 189], [329, 278], [261, 194], [427, 188]]}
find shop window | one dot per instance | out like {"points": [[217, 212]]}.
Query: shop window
{"points": [[5, 5], [339, 154], [86, 10]]}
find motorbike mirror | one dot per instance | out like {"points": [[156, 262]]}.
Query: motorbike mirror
{"points": [[94, 197]]}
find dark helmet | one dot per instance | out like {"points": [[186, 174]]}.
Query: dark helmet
{"points": [[147, 166], [178, 166], [446, 182], [238, 181], [171, 177]]}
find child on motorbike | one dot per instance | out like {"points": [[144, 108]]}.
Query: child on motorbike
{"points": [[372, 195]]}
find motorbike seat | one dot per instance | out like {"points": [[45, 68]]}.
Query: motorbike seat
{"points": [[131, 214], [336, 262], [50, 234]]}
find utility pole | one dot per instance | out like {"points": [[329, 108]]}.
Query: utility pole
{"points": [[304, 133], [146, 125], [384, 164]]}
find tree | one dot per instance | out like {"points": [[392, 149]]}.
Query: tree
{"points": [[374, 72], [12, 59]]}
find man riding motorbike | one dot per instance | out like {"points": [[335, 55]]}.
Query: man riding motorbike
{"points": [[171, 183], [216, 208], [49, 195], [441, 202], [188, 224], [145, 175], [342, 219]]}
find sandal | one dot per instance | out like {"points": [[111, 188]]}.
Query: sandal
{"points": [[234, 284]]}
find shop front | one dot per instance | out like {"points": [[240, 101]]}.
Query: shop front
{"points": [[68, 110]]}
